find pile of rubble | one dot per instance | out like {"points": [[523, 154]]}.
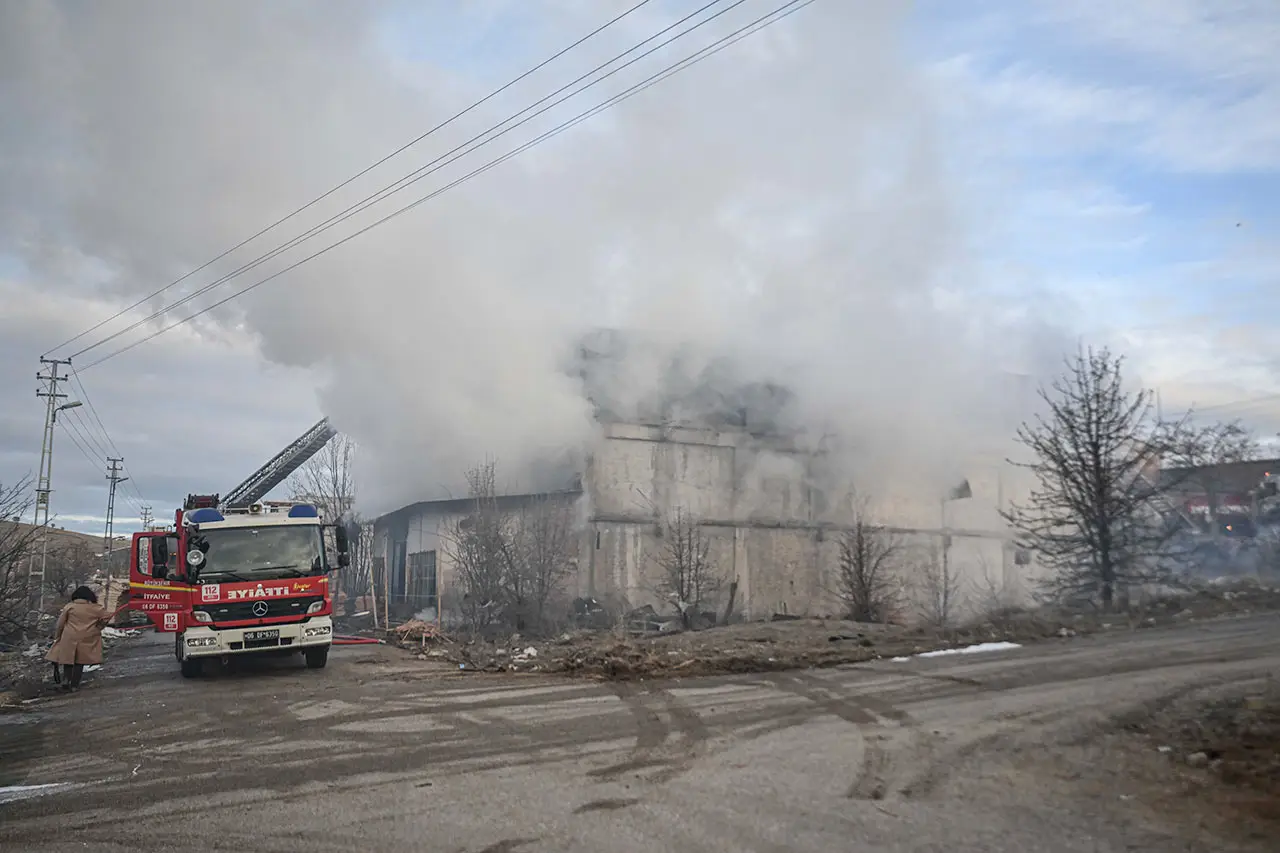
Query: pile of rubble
{"points": [[645, 644], [746, 647]]}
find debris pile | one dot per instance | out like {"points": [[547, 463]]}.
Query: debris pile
{"points": [[645, 644], [749, 647], [416, 630]]}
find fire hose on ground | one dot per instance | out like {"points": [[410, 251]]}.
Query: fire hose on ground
{"points": [[350, 640]]}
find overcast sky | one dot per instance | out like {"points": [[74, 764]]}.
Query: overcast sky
{"points": [[881, 196]]}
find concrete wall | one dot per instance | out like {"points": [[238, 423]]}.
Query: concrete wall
{"points": [[769, 527]]}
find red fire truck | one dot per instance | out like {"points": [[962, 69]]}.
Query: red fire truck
{"points": [[234, 581]]}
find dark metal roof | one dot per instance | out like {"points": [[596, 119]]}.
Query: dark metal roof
{"points": [[459, 505], [1231, 477]]}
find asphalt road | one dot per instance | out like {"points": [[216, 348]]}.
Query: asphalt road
{"points": [[994, 752]]}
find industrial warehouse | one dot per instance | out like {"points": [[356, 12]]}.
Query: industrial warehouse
{"points": [[766, 501]]}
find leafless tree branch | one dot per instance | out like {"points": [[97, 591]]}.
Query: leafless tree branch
{"points": [[689, 578], [868, 579], [328, 481], [509, 565], [938, 586], [18, 543], [1098, 517]]}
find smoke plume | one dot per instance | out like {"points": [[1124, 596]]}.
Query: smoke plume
{"points": [[788, 205]]}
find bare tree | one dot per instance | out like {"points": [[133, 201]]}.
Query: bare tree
{"points": [[869, 565], [1096, 518], [938, 587], [545, 550], [69, 565], [994, 600], [689, 578], [509, 565], [328, 479], [478, 546], [18, 545]]}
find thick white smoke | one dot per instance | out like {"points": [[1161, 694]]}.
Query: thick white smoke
{"points": [[786, 203]]}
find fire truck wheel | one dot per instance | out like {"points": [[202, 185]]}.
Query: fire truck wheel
{"points": [[177, 647], [192, 668], [317, 658]]}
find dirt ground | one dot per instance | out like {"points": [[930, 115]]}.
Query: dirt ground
{"points": [[1002, 752], [25, 674], [807, 643], [1221, 745]]}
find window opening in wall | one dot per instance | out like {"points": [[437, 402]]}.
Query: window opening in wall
{"points": [[423, 580], [398, 569]]}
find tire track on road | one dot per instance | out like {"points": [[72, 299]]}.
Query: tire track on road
{"points": [[886, 730]]}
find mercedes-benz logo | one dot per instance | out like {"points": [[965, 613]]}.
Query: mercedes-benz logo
{"points": [[259, 608]]}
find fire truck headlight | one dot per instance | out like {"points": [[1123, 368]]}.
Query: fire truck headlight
{"points": [[318, 631], [316, 607], [201, 616], [202, 641]]}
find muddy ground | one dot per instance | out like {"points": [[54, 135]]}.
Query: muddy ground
{"points": [[1003, 752], [1221, 744]]}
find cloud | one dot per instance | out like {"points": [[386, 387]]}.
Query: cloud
{"points": [[189, 413]]}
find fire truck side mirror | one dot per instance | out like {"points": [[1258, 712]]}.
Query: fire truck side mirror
{"points": [[341, 540], [344, 559]]}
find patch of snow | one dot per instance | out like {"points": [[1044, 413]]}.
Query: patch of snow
{"points": [[93, 667], [978, 648], [116, 633], [13, 793]]}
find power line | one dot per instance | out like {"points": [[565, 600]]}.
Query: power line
{"points": [[72, 427], [84, 393], [1235, 404], [85, 445], [82, 430], [96, 463], [359, 174], [446, 159], [79, 440], [760, 23]]}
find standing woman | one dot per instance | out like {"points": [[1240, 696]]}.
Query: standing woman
{"points": [[78, 637]]}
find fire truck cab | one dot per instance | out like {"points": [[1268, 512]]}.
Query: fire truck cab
{"points": [[235, 581]]}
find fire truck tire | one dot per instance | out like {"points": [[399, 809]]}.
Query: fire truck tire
{"points": [[177, 647], [317, 658], [192, 668]]}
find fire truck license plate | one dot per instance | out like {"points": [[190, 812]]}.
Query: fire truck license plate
{"points": [[273, 634]]}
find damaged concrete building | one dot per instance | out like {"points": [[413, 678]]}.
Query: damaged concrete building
{"points": [[713, 448]]}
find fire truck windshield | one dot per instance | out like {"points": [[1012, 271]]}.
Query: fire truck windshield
{"points": [[263, 553]]}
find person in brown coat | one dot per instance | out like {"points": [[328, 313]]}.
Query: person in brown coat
{"points": [[77, 638]]}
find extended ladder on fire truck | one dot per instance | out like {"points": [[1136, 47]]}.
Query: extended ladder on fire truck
{"points": [[284, 463]]}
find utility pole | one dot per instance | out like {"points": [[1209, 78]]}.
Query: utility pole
{"points": [[147, 519], [113, 477], [50, 376]]}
